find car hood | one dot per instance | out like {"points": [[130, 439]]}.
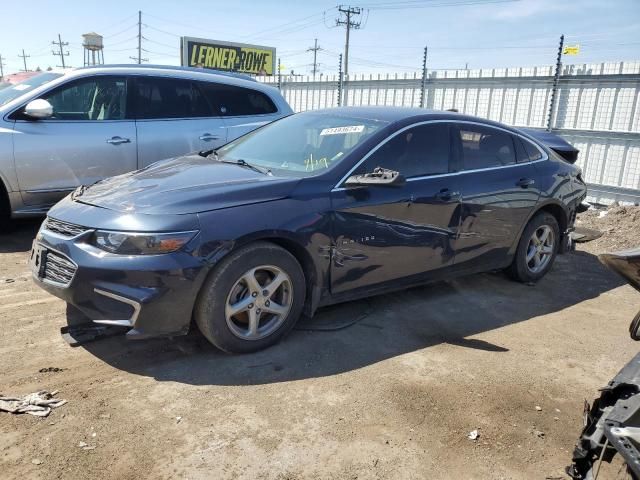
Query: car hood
{"points": [[189, 184]]}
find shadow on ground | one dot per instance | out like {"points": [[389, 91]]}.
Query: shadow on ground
{"points": [[387, 326], [20, 235]]}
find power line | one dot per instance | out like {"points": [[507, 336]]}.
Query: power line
{"points": [[60, 53], [349, 24]]}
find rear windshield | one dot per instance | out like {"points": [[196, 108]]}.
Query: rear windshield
{"points": [[12, 92]]}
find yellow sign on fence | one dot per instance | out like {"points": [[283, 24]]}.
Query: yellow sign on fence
{"points": [[571, 50]]}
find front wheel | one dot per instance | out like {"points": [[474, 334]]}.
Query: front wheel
{"points": [[252, 299], [536, 250]]}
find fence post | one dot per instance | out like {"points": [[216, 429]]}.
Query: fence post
{"points": [[554, 89], [340, 80], [279, 76], [424, 78]]}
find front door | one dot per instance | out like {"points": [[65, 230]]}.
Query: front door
{"points": [[88, 138], [383, 234]]}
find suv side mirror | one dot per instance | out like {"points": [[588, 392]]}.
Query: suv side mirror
{"points": [[380, 177], [38, 109]]}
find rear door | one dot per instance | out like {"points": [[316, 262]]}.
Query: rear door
{"points": [[243, 109], [89, 137], [383, 234], [499, 191], [173, 117]]}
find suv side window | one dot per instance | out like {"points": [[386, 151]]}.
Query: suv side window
{"points": [[163, 97], [484, 147], [97, 99], [417, 151], [533, 152], [231, 101]]}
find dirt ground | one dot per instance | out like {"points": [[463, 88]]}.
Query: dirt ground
{"points": [[392, 397]]}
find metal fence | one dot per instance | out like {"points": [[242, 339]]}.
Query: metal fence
{"points": [[597, 108]]}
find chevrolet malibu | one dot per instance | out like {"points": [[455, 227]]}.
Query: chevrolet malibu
{"points": [[314, 209]]}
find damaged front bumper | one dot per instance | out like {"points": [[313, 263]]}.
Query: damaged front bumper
{"points": [[612, 425]]}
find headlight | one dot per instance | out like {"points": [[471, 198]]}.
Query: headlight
{"points": [[128, 243]]}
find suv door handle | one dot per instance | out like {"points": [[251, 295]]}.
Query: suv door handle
{"points": [[446, 195], [525, 182], [118, 140], [207, 137]]}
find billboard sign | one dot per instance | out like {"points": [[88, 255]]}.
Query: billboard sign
{"points": [[228, 56]]}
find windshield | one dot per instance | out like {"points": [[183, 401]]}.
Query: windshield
{"points": [[14, 91], [301, 145]]}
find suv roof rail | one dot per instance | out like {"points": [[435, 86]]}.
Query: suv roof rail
{"points": [[243, 76]]}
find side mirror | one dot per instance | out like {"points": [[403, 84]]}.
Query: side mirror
{"points": [[38, 109], [380, 177]]}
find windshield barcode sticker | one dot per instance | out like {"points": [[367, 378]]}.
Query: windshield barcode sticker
{"points": [[342, 130]]}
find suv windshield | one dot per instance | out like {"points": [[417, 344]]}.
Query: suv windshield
{"points": [[14, 91], [301, 145]]}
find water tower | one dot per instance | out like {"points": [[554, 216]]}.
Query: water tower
{"points": [[93, 49]]}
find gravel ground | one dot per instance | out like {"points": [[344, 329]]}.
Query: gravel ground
{"points": [[619, 225], [392, 397]]}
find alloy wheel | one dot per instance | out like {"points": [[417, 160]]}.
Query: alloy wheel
{"points": [[259, 302], [540, 249]]}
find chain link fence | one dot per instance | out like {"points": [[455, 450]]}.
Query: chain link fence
{"points": [[597, 108]]}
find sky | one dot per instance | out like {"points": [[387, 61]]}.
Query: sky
{"points": [[391, 37]]}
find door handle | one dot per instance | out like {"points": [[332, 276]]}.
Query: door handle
{"points": [[208, 137], [118, 140], [446, 195], [525, 182]]}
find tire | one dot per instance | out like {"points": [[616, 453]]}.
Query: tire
{"points": [[6, 225], [533, 260], [227, 308]]}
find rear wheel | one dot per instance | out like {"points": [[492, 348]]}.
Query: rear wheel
{"points": [[537, 249], [252, 299]]}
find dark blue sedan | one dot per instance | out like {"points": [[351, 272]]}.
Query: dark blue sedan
{"points": [[314, 209]]}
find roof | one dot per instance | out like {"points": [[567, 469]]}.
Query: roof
{"points": [[174, 68]]}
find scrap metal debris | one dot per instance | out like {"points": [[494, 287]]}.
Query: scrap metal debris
{"points": [[473, 435], [39, 403]]}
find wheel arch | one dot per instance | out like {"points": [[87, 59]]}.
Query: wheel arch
{"points": [[554, 208], [288, 242], [5, 201]]}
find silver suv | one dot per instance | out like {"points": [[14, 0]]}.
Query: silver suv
{"points": [[62, 130]]}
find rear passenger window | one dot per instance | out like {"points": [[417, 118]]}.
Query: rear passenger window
{"points": [[229, 100], [158, 97], [485, 147], [418, 151]]}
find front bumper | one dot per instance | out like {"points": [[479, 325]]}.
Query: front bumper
{"points": [[153, 295]]}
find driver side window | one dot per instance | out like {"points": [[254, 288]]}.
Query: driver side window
{"points": [[418, 151], [90, 99]]}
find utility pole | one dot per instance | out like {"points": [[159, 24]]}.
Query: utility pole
{"points": [[60, 54], [24, 59], [2, 64], [139, 59], [340, 80], [554, 90], [314, 49], [349, 24]]}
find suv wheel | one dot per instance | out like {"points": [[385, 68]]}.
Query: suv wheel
{"points": [[252, 299], [6, 225], [537, 249]]}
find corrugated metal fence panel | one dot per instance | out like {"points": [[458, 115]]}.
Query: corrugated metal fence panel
{"points": [[597, 106]]}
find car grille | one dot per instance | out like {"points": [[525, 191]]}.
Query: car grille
{"points": [[58, 269], [63, 228]]}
